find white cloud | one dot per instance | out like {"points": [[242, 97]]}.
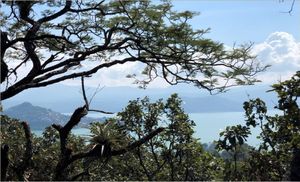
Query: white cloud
{"points": [[112, 76], [282, 52], [116, 76]]}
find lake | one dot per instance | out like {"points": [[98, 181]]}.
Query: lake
{"points": [[208, 125]]}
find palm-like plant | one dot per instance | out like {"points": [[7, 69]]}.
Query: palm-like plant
{"points": [[107, 136]]}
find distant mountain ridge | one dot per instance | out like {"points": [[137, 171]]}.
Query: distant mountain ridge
{"points": [[39, 117], [65, 99]]}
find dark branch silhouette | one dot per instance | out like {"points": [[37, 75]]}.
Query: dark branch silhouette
{"points": [[66, 156], [4, 161], [59, 46], [26, 159], [291, 7], [87, 103]]}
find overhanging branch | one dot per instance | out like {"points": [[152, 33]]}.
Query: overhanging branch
{"points": [[97, 150]]}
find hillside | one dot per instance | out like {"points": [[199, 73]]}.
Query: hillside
{"points": [[39, 117]]}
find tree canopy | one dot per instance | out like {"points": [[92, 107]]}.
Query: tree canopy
{"points": [[127, 144], [134, 146], [278, 155], [60, 40], [47, 42]]}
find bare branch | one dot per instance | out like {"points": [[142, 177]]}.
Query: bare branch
{"points": [[292, 7], [100, 111], [83, 93], [87, 103]]}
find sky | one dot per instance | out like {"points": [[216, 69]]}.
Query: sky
{"points": [[243, 20], [274, 32], [275, 35], [266, 23]]}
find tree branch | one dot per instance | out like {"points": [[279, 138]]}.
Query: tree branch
{"points": [[84, 94], [58, 14], [87, 103], [4, 161], [97, 150], [27, 157], [65, 130], [63, 134]]}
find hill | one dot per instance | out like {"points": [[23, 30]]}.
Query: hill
{"points": [[39, 117]]}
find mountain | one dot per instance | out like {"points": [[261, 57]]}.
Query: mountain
{"points": [[65, 99], [39, 117]]}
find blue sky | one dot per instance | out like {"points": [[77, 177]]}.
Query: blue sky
{"points": [[275, 35], [243, 21], [266, 23]]}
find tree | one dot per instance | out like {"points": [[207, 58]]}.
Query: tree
{"points": [[67, 156], [232, 139], [65, 40], [278, 157], [115, 149], [172, 155], [38, 160], [20, 138]]}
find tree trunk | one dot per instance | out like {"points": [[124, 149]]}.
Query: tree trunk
{"points": [[4, 161], [295, 165]]}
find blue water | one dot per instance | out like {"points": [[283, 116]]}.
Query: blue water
{"points": [[208, 125], [77, 131]]}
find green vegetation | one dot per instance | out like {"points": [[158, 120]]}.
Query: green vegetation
{"points": [[278, 156], [39, 118], [174, 154], [62, 40], [67, 40], [121, 149]]}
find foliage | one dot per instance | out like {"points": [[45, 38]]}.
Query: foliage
{"points": [[117, 148], [108, 133], [66, 40], [13, 135], [172, 155], [277, 158], [233, 140], [45, 150], [233, 136]]}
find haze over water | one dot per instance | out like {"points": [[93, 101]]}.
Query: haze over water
{"points": [[207, 129]]}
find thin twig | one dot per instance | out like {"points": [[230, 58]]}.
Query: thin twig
{"points": [[98, 89], [292, 7], [87, 103], [100, 111]]}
